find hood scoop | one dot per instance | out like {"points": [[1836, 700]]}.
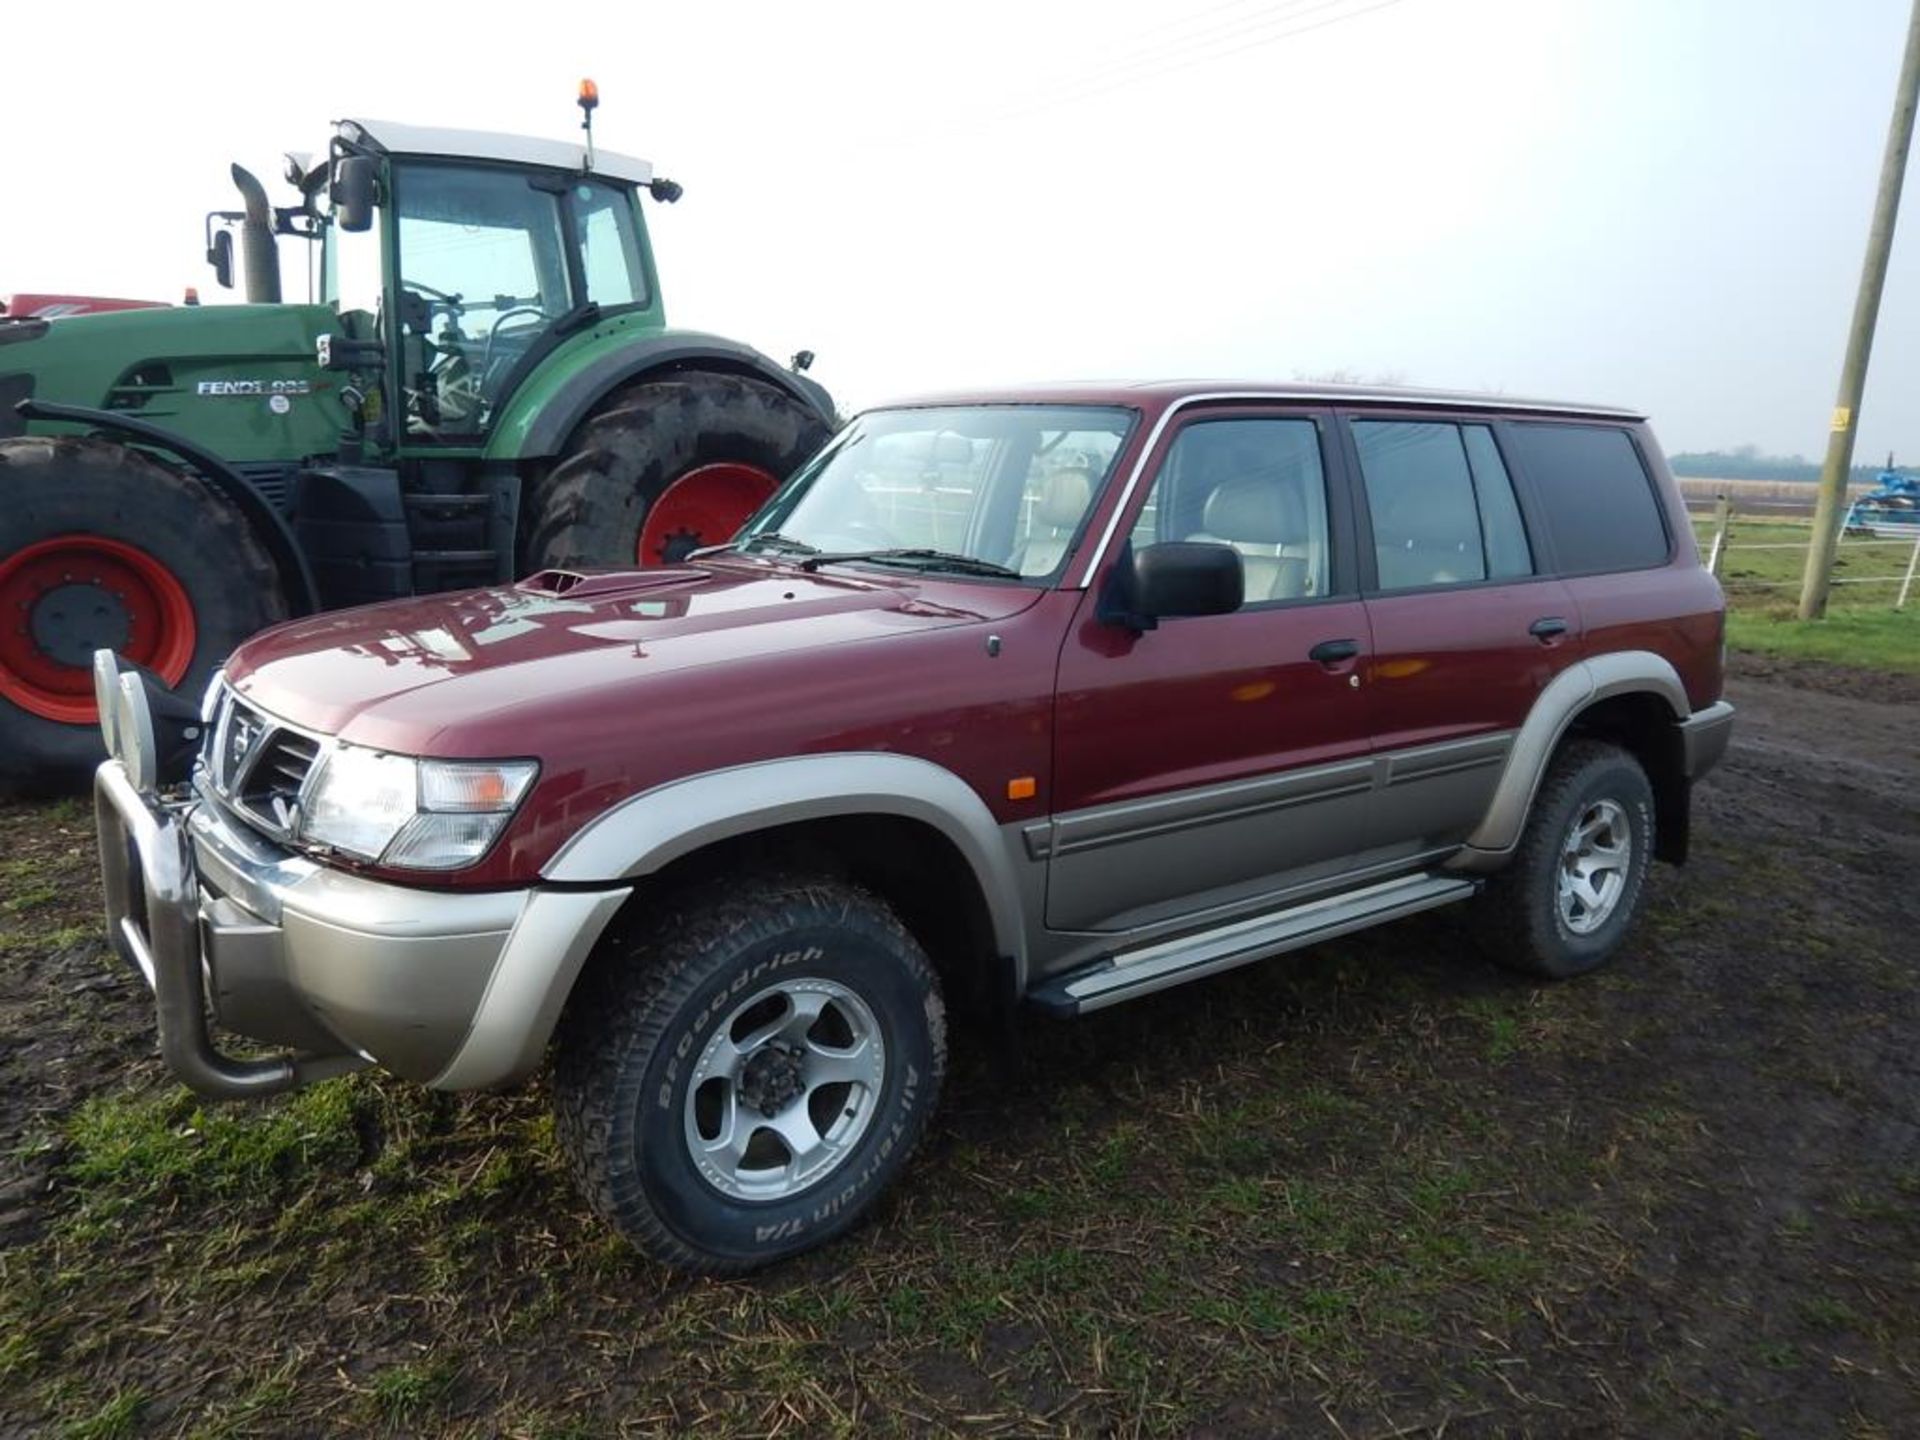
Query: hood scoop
{"points": [[582, 585]]}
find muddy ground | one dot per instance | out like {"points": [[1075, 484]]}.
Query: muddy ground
{"points": [[1381, 1190]]}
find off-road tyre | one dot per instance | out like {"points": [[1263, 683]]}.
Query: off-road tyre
{"points": [[1517, 920], [630, 1042], [109, 496], [592, 508]]}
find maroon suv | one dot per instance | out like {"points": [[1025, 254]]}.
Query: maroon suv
{"points": [[1063, 695]]}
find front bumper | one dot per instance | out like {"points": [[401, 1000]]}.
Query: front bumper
{"points": [[457, 990]]}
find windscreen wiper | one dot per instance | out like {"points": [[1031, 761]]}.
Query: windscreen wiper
{"points": [[925, 559], [766, 540]]}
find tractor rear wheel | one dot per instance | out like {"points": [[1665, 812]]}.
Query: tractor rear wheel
{"points": [[664, 466], [103, 548]]}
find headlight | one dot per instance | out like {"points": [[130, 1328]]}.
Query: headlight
{"points": [[464, 805], [412, 814], [133, 733], [360, 800], [106, 698]]}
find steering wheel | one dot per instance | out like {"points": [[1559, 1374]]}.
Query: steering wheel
{"points": [[486, 353]]}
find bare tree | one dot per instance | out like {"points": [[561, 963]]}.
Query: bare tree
{"points": [[1346, 375]]}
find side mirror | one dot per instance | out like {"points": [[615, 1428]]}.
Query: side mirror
{"points": [[1173, 578], [353, 186], [220, 257]]}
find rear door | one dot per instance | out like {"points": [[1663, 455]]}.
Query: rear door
{"points": [[1466, 633], [1627, 562], [1215, 758]]}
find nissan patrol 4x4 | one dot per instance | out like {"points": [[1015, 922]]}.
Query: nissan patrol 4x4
{"points": [[1064, 696]]}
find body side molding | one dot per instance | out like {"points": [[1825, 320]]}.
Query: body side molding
{"points": [[647, 832], [1621, 672]]}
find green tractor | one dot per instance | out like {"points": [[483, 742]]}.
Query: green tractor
{"points": [[481, 385]]}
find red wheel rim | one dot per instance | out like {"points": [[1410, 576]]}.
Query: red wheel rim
{"points": [[60, 596], [703, 507]]}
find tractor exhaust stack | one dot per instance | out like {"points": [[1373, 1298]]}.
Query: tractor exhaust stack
{"points": [[259, 259]]}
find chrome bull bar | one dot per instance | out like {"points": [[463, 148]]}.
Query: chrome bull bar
{"points": [[153, 921]]}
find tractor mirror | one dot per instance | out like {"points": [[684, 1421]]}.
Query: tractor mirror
{"points": [[353, 182], [220, 257]]}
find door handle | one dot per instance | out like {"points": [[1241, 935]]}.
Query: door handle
{"points": [[1332, 652], [1548, 628]]}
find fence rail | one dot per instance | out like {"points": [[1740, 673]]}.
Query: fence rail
{"points": [[1722, 544]]}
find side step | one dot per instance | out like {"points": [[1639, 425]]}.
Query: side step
{"points": [[1207, 952]]}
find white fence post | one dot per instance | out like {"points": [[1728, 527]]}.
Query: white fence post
{"points": [[1913, 562]]}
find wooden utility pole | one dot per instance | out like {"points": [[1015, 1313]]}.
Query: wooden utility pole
{"points": [[1832, 507]]}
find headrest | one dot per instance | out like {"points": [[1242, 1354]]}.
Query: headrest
{"points": [[1256, 510], [1065, 498]]}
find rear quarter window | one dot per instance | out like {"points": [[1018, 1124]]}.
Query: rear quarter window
{"points": [[1597, 499]]}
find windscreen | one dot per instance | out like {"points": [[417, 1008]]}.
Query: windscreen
{"points": [[1006, 487]]}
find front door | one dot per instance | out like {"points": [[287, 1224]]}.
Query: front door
{"points": [[1218, 758]]}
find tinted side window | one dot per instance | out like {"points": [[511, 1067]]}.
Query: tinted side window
{"points": [[1257, 485], [1598, 501], [1508, 554], [1426, 522]]}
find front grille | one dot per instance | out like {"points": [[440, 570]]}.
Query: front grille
{"points": [[279, 771], [256, 764]]}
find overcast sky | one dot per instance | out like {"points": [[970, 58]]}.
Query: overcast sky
{"points": [[1661, 203]]}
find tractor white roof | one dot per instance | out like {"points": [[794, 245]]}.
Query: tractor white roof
{"points": [[397, 139]]}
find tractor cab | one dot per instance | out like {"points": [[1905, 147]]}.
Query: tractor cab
{"points": [[478, 254], [455, 261]]}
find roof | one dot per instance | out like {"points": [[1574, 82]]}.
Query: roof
{"points": [[1165, 392], [397, 139]]}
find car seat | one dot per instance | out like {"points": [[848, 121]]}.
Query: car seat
{"points": [[1266, 521], [1063, 501]]}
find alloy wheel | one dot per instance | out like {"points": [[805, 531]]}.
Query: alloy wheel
{"points": [[784, 1089]]}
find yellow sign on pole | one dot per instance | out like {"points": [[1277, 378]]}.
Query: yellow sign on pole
{"points": [[1842, 417]]}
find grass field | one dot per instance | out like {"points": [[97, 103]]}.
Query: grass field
{"points": [[1862, 629], [1377, 1190]]}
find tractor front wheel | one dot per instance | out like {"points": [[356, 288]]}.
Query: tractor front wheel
{"points": [[665, 466], [102, 548]]}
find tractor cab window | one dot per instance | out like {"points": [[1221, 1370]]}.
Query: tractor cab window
{"points": [[609, 244], [482, 272]]}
